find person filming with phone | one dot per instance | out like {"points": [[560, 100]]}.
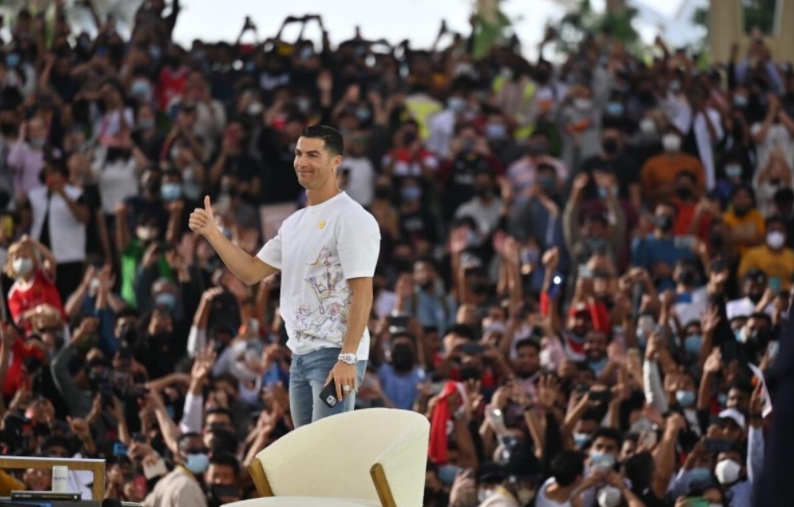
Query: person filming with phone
{"points": [[326, 254]]}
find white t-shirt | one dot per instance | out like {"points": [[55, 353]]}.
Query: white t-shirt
{"points": [[543, 501], [318, 249]]}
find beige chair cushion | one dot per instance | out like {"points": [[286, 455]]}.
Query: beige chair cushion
{"points": [[303, 501], [332, 458]]}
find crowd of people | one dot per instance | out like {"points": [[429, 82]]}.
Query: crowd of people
{"points": [[584, 270]]}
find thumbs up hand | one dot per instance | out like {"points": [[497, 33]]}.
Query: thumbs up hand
{"points": [[202, 221]]}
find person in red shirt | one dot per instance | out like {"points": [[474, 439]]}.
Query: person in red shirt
{"points": [[35, 281]]}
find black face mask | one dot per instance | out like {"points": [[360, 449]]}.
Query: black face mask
{"points": [[152, 186], [484, 192], [402, 358], [688, 277], [470, 373], [218, 492], [683, 192], [8, 129], [425, 285], [716, 240], [479, 288], [664, 222], [610, 145], [382, 193], [741, 212]]}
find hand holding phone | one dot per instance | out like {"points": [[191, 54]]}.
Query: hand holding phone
{"points": [[328, 394]]}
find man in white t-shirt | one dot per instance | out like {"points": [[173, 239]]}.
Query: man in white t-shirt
{"points": [[327, 254]]}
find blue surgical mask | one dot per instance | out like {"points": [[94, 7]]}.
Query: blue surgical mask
{"points": [[411, 193], [547, 181], [456, 104], [141, 89], [740, 100], [447, 474], [146, 123], [363, 114], [693, 344], [598, 366], [197, 463], [602, 459], [37, 143], [722, 399], [685, 398], [155, 52], [495, 131], [171, 191], [733, 170], [615, 109], [580, 439], [741, 337], [165, 299], [700, 474], [12, 60]]}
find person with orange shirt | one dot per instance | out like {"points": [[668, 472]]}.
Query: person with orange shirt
{"points": [[745, 223], [659, 172]]}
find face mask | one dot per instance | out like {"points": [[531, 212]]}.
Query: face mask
{"points": [[152, 186], [483, 494], [740, 335], [146, 123], [610, 145], [146, 233], [411, 193], [582, 104], [456, 104], [647, 126], [141, 89], [8, 129], [303, 104], [602, 460], [165, 299], [603, 193], [37, 143], [580, 439], [733, 170], [692, 344], [363, 114], [254, 109], [685, 398], [609, 496], [727, 471], [675, 86], [402, 358], [495, 131], [197, 463], [598, 366], [615, 109], [447, 473], [671, 142], [664, 222], [171, 191], [775, 240], [700, 474], [22, 265], [740, 100], [548, 182]]}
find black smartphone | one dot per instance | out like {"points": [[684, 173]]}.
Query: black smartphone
{"points": [[398, 321], [717, 445], [472, 349], [328, 395], [139, 437], [601, 396], [220, 491]]}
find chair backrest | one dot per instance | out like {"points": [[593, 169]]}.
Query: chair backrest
{"points": [[333, 457]]}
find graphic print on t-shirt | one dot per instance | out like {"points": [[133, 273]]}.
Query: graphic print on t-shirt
{"points": [[333, 297]]}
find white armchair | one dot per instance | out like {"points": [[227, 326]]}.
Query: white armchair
{"points": [[366, 458]]}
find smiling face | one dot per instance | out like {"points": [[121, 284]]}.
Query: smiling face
{"points": [[314, 164]]}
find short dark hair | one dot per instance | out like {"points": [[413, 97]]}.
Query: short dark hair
{"points": [[334, 142], [184, 438], [219, 411], [226, 459], [610, 433], [527, 342], [566, 467]]}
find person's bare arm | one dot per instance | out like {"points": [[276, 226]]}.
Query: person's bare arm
{"points": [[360, 307], [122, 230], [48, 258], [249, 269]]}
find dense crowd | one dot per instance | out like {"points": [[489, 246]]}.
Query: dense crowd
{"points": [[584, 268]]}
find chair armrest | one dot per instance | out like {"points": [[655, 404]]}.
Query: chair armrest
{"points": [[399, 473]]}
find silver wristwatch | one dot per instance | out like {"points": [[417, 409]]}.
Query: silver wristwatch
{"points": [[350, 359]]}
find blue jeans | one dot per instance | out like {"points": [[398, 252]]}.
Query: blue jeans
{"points": [[307, 376]]}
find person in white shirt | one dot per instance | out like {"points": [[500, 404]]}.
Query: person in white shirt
{"points": [[326, 253]]}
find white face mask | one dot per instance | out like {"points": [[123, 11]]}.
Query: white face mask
{"points": [[609, 496], [775, 240], [727, 471], [22, 265], [582, 104], [647, 126], [671, 142]]}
